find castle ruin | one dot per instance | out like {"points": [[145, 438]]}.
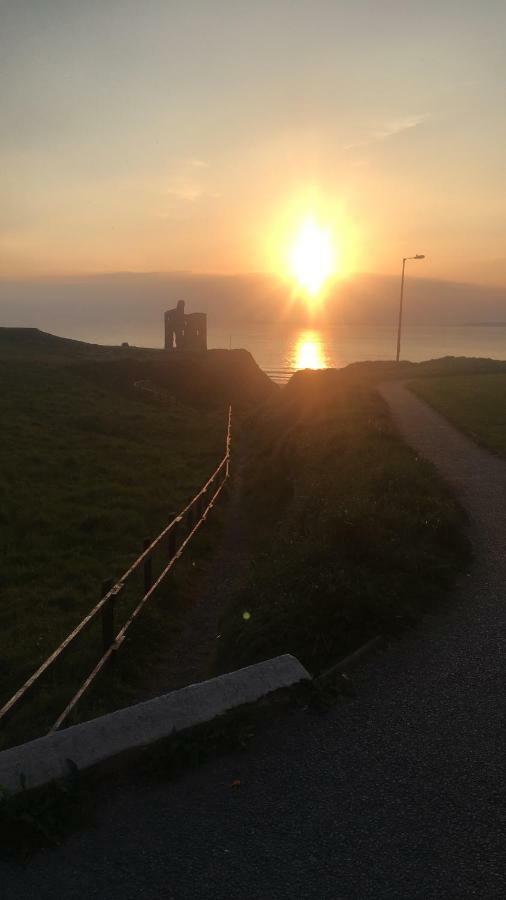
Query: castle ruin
{"points": [[185, 331]]}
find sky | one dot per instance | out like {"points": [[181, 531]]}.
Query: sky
{"points": [[193, 136]]}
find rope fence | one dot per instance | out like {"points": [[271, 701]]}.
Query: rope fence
{"points": [[177, 535], [281, 375]]}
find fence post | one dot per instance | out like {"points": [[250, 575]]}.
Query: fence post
{"points": [[189, 520], [172, 542], [229, 442], [107, 616], [148, 567]]}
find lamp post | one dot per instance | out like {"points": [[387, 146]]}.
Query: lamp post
{"points": [[418, 256]]}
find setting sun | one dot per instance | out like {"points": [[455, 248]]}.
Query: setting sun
{"points": [[312, 256]]}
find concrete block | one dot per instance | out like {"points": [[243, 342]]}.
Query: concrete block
{"points": [[89, 743]]}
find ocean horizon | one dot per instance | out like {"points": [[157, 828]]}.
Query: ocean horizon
{"points": [[296, 347]]}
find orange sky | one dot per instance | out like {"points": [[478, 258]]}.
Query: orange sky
{"points": [[143, 137]]}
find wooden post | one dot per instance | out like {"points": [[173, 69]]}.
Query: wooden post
{"points": [[229, 442], [172, 543], [189, 520], [107, 616], [148, 567]]}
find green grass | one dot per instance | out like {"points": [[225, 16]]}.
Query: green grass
{"points": [[474, 403], [86, 473], [354, 534], [350, 533]]}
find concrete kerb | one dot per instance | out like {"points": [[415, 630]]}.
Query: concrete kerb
{"points": [[89, 744]]}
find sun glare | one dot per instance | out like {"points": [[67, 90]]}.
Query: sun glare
{"points": [[308, 352], [312, 257]]}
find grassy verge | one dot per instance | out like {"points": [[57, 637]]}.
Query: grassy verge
{"points": [[474, 403], [353, 533], [86, 473]]}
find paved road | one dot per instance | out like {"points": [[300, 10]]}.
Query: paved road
{"points": [[398, 793]]}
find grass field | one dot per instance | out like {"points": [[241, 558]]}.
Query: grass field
{"points": [[349, 532], [354, 534], [474, 403], [86, 473]]}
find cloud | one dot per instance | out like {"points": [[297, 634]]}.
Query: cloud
{"points": [[186, 184], [188, 193], [389, 129], [185, 187], [396, 126]]}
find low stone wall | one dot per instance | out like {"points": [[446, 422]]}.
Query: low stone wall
{"points": [[90, 743]]}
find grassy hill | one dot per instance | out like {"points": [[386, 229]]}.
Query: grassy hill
{"points": [[202, 379], [89, 467], [351, 533], [474, 403]]}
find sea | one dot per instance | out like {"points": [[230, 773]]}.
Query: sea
{"points": [[282, 350]]}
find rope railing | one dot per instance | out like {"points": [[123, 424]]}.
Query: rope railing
{"points": [[195, 514], [281, 375]]}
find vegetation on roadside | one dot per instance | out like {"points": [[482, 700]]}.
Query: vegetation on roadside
{"points": [[31, 820], [475, 403], [353, 533], [381, 370], [34, 820], [89, 467], [349, 532]]}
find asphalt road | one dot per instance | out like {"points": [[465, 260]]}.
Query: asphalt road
{"points": [[399, 792]]}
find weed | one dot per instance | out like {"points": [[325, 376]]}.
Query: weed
{"points": [[31, 820]]}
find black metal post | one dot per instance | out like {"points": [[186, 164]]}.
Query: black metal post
{"points": [[399, 327]]}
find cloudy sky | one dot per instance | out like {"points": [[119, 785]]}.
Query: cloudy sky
{"points": [[169, 136]]}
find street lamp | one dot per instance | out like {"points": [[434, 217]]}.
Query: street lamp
{"points": [[418, 256]]}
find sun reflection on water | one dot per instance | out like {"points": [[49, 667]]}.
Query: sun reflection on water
{"points": [[309, 351]]}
